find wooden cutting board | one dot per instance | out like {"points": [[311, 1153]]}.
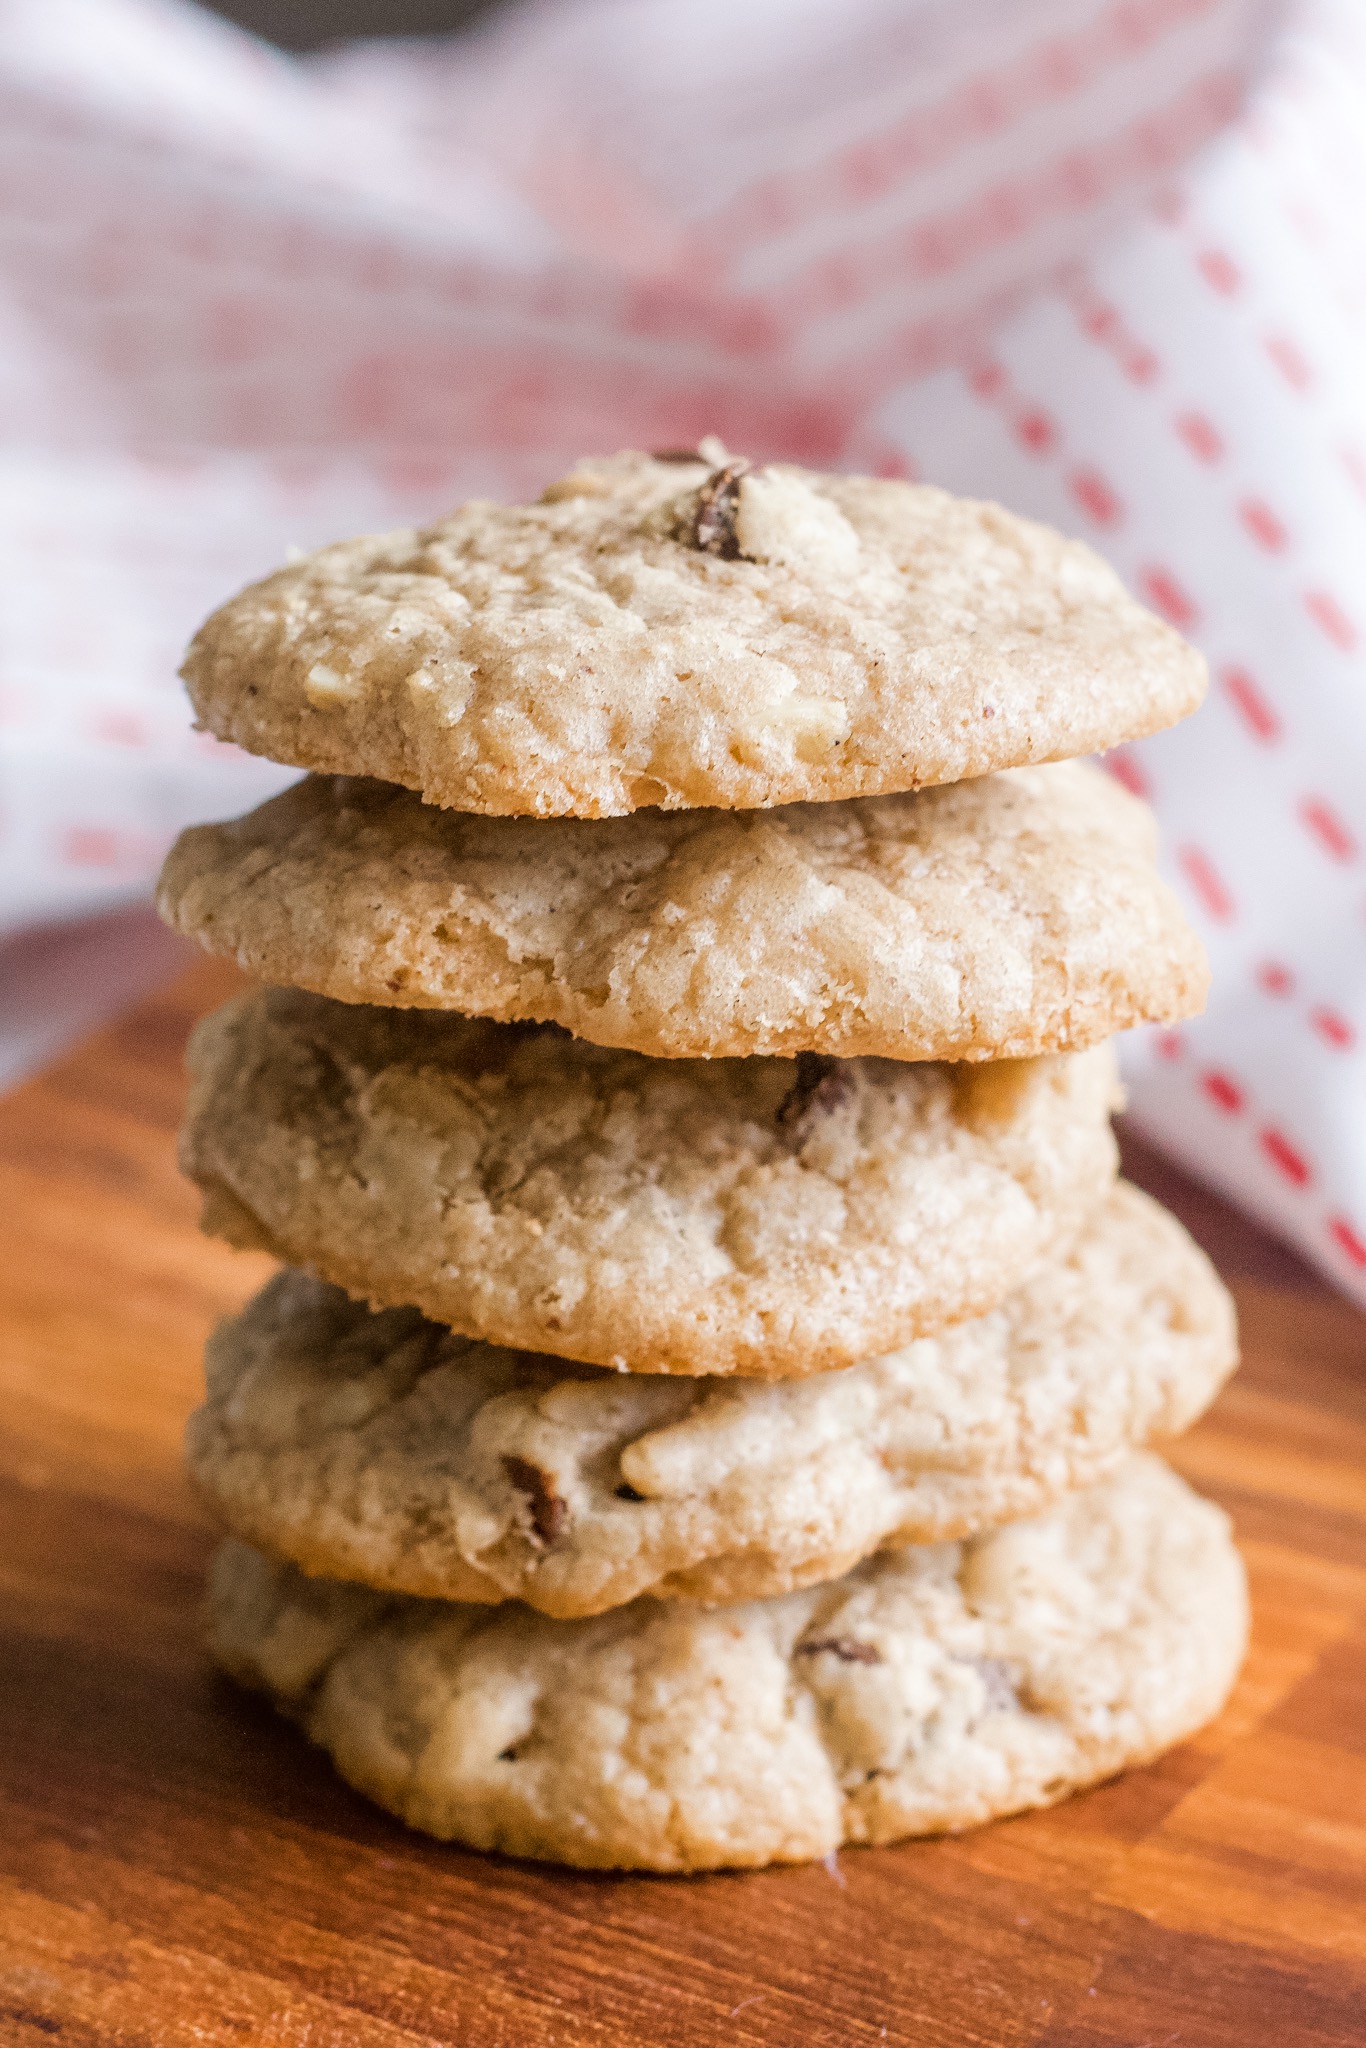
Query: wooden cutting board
{"points": [[176, 1866]]}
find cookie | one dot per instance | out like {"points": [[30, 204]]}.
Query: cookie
{"points": [[766, 1216], [929, 1690], [383, 1448], [674, 634], [1018, 914]]}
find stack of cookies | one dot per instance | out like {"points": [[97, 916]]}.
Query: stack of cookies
{"points": [[701, 1418]]}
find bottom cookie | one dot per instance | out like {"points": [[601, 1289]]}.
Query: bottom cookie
{"points": [[927, 1690]]}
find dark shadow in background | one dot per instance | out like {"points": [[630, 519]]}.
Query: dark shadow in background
{"points": [[307, 24]]}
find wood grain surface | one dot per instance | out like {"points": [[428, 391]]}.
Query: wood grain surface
{"points": [[178, 1867]]}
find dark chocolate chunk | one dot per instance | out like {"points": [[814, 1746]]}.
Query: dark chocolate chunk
{"points": [[676, 455], [625, 1492], [994, 1672], [549, 1511], [822, 1084], [847, 1648], [718, 504]]}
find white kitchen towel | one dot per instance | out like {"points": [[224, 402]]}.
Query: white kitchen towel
{"points": [[1103, 259]]}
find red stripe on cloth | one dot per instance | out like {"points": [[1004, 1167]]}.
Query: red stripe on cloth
{"points": [[1328, 615], [1328, 828], [1290, 361], [1103, 323], [1261, 522], [1169, 597], [91, 846], [1259, 716], [238, 329], [872, 455], [1223, 1092], [1096, 496], [105, 846], [121, 729], [1125, 769], [1100, 320], [1219, 271], [1207, 883], [1333, 1029], [1035, 430], [1200, 436], [987, 380], [1347, 1239], [1282, 1154]]}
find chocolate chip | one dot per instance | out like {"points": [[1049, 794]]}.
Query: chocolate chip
{"points": [[676, 455], [625, 1492], [329, 1091], [549, 1511], [718, 506], [847, 1648], [822, 1084], [994, 1672]]}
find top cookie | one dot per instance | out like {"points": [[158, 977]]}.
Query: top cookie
{"points": [[690, 632]]}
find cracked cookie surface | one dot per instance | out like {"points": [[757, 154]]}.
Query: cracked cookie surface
{"points": [[1017, 914], [766, 1217], [928, 1690], [642, 636], [384, 1449]]}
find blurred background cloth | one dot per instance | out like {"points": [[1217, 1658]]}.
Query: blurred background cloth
{"points": [[1102, 259]]}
